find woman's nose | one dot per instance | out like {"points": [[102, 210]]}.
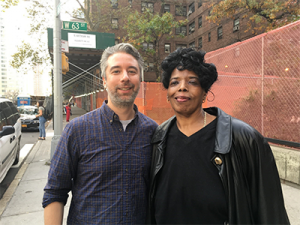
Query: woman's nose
{"points": [[183, 86]]}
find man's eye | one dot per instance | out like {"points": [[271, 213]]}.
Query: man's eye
{"points": [[132, 71], [115, 71]]}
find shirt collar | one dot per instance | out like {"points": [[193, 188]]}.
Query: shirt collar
{"points": [[112, 116]]}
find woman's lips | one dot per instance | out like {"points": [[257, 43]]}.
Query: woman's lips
{"points": [[182, 99]]}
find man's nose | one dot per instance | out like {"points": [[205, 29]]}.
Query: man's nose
{"points": [[125, 76]]}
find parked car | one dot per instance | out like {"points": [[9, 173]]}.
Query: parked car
{"points": [[28, 117], [10, 136]]}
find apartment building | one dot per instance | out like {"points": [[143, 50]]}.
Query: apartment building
{"points": [[198, 33]]}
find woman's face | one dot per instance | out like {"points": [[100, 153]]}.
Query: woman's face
{"points": [[185, 93]]}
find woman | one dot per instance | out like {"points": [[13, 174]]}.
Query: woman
{"points": [[68, 111], [42, 120], [208, 167]]}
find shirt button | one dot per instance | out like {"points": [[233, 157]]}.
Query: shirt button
{"points": [[120, 129], [126, 170], [110, 121], [115, 116], [126, 191]]}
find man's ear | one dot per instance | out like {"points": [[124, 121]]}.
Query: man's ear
{"points": [[104, 82]]}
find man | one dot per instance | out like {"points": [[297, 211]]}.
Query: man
{"points": [[104, 156]]}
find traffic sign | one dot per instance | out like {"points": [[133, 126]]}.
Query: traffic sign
{"points": [[67, 25], [64, 46]]}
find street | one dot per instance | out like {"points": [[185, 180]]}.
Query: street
{"points": [[29, 138]]}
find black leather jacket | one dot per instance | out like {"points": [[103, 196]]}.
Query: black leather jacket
{"points": [[246, 167]]}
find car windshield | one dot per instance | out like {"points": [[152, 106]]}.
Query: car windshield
{"points": [[28, 111]]}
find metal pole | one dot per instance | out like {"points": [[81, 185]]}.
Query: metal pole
{"points": [[262, 85], [58, 123]]}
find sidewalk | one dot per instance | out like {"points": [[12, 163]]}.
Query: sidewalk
{"points": [[22, 202]]}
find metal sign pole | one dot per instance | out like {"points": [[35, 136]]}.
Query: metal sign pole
{"points": [[58, 122]]}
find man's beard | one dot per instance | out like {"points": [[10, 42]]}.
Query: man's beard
{"points": [[122, 100]]}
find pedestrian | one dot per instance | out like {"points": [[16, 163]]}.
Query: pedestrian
{"points": [[42, 120], [104, 156], [68, 111], [208, 167]]}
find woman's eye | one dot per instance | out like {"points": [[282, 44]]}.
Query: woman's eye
{"points": [[172, 83], [194, 82]]}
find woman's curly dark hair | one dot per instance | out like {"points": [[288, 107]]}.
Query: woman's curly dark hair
{"points": [[189, 59]]}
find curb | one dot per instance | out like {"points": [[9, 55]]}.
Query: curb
{"points": [[15, 183]]}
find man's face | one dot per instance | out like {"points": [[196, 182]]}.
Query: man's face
{"points": [[122, 79]]}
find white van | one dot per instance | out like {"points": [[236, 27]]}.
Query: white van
{"points": [[10, 136]]}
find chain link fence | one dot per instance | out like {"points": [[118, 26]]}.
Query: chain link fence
{"points": [[259, 83]]}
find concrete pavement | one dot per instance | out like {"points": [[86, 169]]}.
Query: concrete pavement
{"points": [[22, 202]]}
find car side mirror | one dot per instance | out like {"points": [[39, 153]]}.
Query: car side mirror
{"points": [[7, 130]]}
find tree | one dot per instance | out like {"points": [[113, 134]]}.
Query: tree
{"points": [[151, 28], [264, 15], [12, 95], [27, 56], [8, 3]]}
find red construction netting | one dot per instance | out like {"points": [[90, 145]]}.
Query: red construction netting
{"points": [[259, 83]]}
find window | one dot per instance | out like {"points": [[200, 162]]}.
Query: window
{"points": [[114, 3], [209, 12], [147, 5], [180, 46], [200, 22], [236, 24], [192, 45], [167, 48], [199, 3], [149, 67], [191, 8], [114, 23], [220, 33], [180, 10], [192, 28], [147, 46], [200, 43], [166, 8], [209, 37], [180, 30]]}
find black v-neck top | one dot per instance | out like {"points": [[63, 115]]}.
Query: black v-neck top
{"points": [[189, 189]]}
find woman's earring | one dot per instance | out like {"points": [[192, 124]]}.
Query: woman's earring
{"points": [[204, 98], [168, 99]]}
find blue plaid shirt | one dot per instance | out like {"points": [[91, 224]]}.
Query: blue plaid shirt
{"points": [[109, 166]]}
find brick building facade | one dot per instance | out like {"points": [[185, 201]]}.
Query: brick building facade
{"points": [[199, 33]]}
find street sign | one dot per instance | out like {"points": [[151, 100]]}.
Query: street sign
{"points": [[67, 25], [64, 46]]}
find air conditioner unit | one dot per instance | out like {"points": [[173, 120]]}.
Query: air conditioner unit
{"points": [[167, 50], [183, 32], [236, 28], [189, 12], [192, 29]]}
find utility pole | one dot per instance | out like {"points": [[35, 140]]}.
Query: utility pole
{"points": [[57, 73]]}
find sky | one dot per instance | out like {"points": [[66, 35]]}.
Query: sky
{"points": [[19, 25]]}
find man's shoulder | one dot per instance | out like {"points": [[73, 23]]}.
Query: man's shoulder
{"points": [[147, 120], [85, 119]]}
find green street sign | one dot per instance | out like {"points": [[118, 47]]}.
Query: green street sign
{"points": [[67, 25]]}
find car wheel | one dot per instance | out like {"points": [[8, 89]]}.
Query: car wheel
{"points": [[18, 152]]}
